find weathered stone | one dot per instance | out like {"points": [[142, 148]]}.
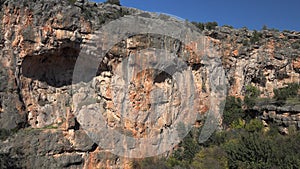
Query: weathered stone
{"points": [[284, 130], [39, 45]]}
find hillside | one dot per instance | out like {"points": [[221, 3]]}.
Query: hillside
{"points": [[63, 62]]}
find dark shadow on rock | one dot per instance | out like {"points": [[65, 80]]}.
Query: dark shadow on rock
{"points": [[56, 69]]}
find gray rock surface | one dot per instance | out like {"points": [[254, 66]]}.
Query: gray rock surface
{"points": [[40, 41]]}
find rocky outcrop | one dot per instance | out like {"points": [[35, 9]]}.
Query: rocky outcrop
{"points": [[40, 42], [267, 59]]}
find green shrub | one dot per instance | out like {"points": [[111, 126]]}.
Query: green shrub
{"points": [[264, 27], [255, 125], [238, 124], [199, 25], [296, 45], [256, 36], [256, 150], [246, 42], [282, 94], [233, 110], [251, 95], [114, 2], [212, 157], [207, 25], [211, 25], [249, 151], [150, 163], [188, 147]]}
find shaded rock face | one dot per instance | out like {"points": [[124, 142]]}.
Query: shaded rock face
{"points": [[54, 69], [39, 45]]}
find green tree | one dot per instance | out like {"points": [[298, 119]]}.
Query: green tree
{"points": [[251, 95], [199, 25], [291, 91], [114, 2], [255, 125], [211, 25], [233, 110], [264, 27], [256, 36], [249, 151], [212, 157]]}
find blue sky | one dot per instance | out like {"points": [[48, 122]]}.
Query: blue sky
{"points": [[279, 14]]}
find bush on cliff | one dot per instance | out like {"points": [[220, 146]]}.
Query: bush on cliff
{"points": [[282, 94], [232, 111], [251, 95]]}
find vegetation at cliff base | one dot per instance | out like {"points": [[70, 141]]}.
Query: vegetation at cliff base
{"points": [[245, 142], [249, 147]]}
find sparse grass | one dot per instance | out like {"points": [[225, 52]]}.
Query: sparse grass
{"points": [[51, 126], [293, 101]]}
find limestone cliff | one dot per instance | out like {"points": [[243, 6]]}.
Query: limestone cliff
{"points": [[40, 42]]}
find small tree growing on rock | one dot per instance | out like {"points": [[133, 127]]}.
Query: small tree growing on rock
{"points": [[115, 2]]}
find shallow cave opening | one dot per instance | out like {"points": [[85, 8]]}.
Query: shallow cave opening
{"points": [[56, 69], [161, 77]]}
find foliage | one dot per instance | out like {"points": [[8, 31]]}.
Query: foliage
{"points": [[211, 25], [255, 150], [106, 17], [264, 27], [207, 25], [244, 145], [252, 91], [150, 163], [51, 126], [217, 139], [234, 149], [212, 157], [296, 45], [233, 110], [246, 42], [114, 2], [250, 151], [255, 125], [5, 133], [199, 25], [282, 94], [251, 95], [256, 36], [238, 124], [6, 161], [188, 147], [183, 156]]}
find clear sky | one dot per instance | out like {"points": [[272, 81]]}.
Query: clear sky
{"points": [[279, 14]]}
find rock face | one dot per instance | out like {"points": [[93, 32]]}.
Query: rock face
{"points": [[40, 42]]}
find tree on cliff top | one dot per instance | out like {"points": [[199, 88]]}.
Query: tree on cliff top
{"points": [[116, 2]]}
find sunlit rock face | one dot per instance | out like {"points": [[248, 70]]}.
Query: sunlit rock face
{"points": [[41, 41]]}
